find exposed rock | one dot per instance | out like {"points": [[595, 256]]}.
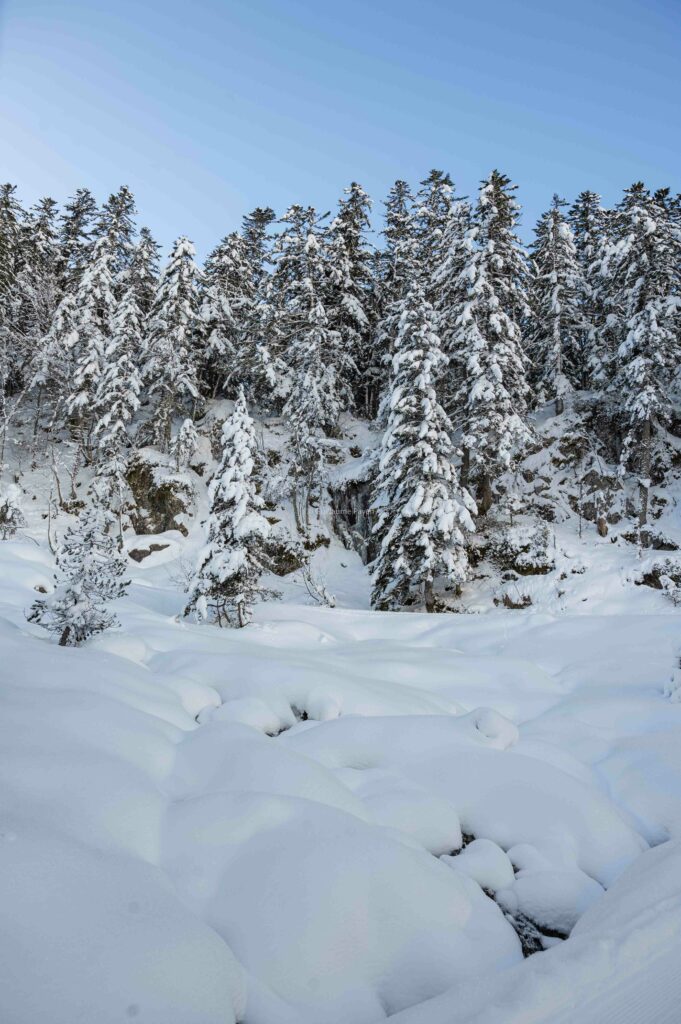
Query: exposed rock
{"points": [[139, 554], [162, 498]]}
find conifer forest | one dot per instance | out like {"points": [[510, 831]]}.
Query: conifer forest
{"points": [[340, 582]]}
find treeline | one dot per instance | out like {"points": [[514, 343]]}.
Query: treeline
{"points": [[447, 334]]}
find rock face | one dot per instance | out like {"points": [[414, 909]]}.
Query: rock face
{"points": [[163, 498], [353, 519]]}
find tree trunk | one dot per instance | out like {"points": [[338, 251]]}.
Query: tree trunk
{"points": [[465, 467], [644, 486], [64, 638], [559, 406], [428, 596], [485, 496]]}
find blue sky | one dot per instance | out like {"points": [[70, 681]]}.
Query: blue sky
{"points": [[209, 108]]}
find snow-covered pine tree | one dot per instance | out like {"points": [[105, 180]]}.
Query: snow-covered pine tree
{"points": [[95, 305], [423, 512], [433, 204], [36, 287], [318, 370], [144, 270], [448, 290], [75, 238], [11, 238], [227, 580], [260, 367], [169, 370], [588, 221], [117, 400], [116, 222], [348, 292], [225, 315], [184, 445], [497, 215], [89, 576], [257, 243], [495, 389], [555, 323], [648, 267], [399, 268]]}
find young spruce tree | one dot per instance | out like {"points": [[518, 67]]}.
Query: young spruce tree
{"points": [[89, 575], [227, 581]]}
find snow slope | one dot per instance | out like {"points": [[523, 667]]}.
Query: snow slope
{"points": [[332, 815]]}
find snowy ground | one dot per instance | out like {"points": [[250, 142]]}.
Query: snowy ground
{"points": [[331, 816]]}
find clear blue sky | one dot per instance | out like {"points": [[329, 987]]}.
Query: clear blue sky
{"points": [[209, 108]]}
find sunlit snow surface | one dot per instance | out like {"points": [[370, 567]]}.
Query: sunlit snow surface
{"points": [[203, 826]]}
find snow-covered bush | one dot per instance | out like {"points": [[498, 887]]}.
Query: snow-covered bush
{"points": [[525, 549], [11, 516]]}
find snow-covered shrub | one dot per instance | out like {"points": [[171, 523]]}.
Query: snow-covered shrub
{"points": [[11, 516], [525, 549]]}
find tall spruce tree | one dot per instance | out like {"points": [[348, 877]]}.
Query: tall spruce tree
{"points": [[423, 512], [96, 305], [348, 293], [75, 238], [225, 315], [556, 320], [448, 289], [144, 270], [495, 390], [433, 205], [648, 268], [227, 581], [116, 222], [588, 221], [399, 268], [317, 364], [117, 400], [169, 370]]}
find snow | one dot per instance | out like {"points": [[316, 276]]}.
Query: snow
{"points": [[335, 815]]}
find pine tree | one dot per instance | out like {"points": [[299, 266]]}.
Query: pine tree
{"points": [[227, 582], [318, 394], [348, 291], [648, 268], [226, 315], [423, 512], [588, 221], [555, 323], [260, 366], [144, 270], [433, 205], [498, 214], [75, 239], [257, 244], [89, 576], [184, 445], [169, 369], [116, 223], [449, 291], [495, 388], [11, 238], [117, 400], [95, 304], [399, 270], [36, 287]]}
